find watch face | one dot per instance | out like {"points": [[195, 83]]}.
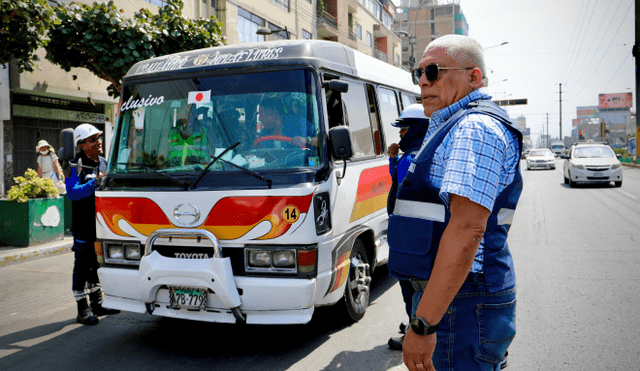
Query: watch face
{"points": [[420, 327], [417, 325]]}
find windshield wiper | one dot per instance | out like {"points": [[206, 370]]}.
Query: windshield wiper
{"points": [[204, 171], [183, 184], [248, 171]]}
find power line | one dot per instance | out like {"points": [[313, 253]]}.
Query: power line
{"points": [[604, 54]]}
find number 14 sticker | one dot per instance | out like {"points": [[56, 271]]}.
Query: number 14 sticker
{"points": [[290, 214]]}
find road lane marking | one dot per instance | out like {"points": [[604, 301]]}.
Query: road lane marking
{"points": [[628, 195]]}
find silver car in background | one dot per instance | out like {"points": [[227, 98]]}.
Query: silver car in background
{"points": [[592, 163], [541, 158]]}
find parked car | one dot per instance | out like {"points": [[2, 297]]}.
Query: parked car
{"points": [[592, 163], [541, 158]]}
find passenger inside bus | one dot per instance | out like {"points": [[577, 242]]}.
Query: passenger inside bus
{"points": [[188, 142], [280, 130]]}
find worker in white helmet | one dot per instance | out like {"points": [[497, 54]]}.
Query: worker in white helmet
{"points": [[413, 125], [81, 188]]}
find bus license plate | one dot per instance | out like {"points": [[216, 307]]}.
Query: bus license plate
{"points": [[187, 297]]}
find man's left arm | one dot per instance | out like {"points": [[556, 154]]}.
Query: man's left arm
{"points": [[456, 252]]}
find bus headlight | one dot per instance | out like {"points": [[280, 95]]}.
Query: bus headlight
{"points": [[115, 252], [132, 251], [259, 258], [284, 259], [122, 253]]}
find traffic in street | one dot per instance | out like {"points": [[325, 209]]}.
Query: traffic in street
{"points": [[575, 251]]}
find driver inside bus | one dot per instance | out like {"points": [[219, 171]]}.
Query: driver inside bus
{"points": [[287, 129]]}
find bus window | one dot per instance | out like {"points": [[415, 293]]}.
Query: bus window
{"points": [[408, 100], [388, 113], [375, 122], [334, 108], [358, 117]]}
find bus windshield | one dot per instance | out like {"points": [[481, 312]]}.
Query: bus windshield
{"points": [[183, 124]]}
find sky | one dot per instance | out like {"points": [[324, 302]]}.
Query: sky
{"points": [[585, 45]]}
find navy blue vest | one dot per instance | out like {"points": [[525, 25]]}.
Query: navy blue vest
{"points": [[420, 216]]}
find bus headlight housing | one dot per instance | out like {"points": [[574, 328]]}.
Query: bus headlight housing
{"points": [[121, 253], [298, 260]]}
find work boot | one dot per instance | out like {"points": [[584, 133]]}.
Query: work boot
{"points": [[85, 316], [403, 327], [96, 305], [396, 343]]}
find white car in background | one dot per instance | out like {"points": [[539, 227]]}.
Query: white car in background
{"points": [[592, 163], [541, 158]]}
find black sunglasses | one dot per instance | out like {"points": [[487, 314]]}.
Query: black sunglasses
{"points": [[432, 72], [91, 140]]}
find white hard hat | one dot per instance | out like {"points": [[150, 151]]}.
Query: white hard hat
{"points": [[84, 131], [409, 116]]}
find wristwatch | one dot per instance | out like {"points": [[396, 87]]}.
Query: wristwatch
{"points": [[420, 327]]}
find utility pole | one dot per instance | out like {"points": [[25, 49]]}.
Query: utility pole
{"points": [[560, 138], [547, 130]]}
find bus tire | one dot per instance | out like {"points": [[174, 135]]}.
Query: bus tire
{"points": [[357, 287]]}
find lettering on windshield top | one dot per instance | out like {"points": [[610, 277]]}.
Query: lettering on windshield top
{"points": [[164, 65], [139, 103], [245, 55]]}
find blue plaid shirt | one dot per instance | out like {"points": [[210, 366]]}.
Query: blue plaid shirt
{"points": [[477, 159]]}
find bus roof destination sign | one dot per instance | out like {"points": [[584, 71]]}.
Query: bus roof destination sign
{"points": [[510, 102]]}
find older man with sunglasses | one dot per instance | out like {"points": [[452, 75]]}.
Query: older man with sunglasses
{"points": [[452, 216]]}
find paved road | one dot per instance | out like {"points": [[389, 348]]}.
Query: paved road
{"points": [[576, 252], [577, 256]]}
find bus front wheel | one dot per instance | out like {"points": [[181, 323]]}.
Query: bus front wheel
{"points": [[356, 292]]}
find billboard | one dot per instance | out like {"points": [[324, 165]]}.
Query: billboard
{"points": [[620, 100], [577, 122], [587, 112]]}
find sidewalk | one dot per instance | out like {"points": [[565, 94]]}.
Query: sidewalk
{"points": [[11, 255]]}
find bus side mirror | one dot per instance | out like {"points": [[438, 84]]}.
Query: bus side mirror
{"points": [[336, 85], [67, 150], [341, 149]]}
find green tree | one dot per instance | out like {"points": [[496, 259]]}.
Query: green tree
{"points": [[100, 38], [23, 29]]}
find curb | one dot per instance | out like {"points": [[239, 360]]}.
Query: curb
{"points": [[11, 255]]}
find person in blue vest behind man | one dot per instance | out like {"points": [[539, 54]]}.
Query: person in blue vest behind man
{"points": [[413, 126], [454, 208], [81, 188]]}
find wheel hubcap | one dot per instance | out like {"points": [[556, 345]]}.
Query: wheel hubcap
{"points": [[360, 281]]}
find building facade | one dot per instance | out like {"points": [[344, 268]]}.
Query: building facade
{"points": [[38, 105], [421, 21]]}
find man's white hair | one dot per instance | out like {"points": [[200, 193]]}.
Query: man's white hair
{"points": [[463, 49]]}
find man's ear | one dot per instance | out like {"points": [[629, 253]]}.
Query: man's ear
{"points": [[475, 80]]}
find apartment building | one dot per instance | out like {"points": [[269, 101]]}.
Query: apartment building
{"points": [[38, 105], [421, 21]]}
